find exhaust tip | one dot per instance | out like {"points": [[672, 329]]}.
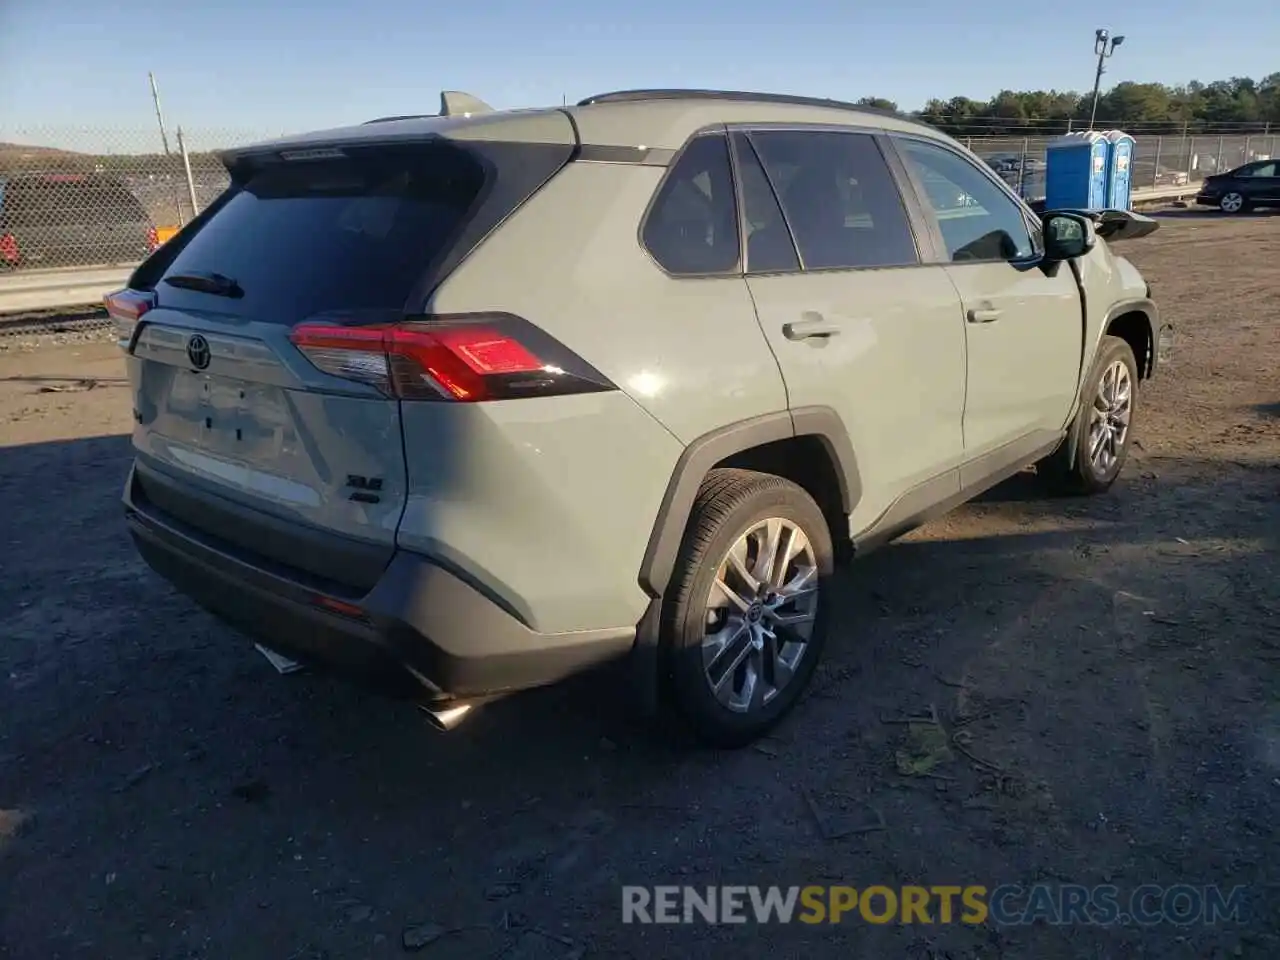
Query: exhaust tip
{"points": [[445, 719]]}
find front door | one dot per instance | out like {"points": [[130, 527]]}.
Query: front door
{"points": [[854, 319], [1260, 182], [1024, 328]]}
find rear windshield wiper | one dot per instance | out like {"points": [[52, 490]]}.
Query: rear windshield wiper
{"points": [[215, 283]]}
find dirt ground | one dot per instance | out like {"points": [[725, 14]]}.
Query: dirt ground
{"points": [[1112, 664]]}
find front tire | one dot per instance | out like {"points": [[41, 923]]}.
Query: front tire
{"points": [[748, 619], [1097, 444], [1233, 202]]}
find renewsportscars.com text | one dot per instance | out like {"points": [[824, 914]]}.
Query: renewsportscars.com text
{"points": [[1005, 905]]}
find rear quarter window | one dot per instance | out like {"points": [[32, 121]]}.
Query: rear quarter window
{"points": [[692, 227], [346, 235]]}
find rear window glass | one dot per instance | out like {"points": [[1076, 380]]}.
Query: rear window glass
{"points": [[349, 234], [87, 202]]}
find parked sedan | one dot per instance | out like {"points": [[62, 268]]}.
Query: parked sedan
{"points": [[1255, 184], [66, 219]]}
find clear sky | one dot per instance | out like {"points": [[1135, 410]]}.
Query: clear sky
{"points": [[284, 65]]}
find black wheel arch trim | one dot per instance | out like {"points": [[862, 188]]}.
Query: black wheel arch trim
{"points": [[701, 455], [1140, 305], [1147, 308]]}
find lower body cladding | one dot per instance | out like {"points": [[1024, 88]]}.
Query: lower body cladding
{"points": [[422, 632]]}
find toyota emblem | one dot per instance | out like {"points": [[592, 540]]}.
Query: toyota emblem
{"points": [[198, 352]]}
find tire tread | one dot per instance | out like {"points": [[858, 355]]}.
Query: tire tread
{"points": [[723, 492], [1066, 471]]}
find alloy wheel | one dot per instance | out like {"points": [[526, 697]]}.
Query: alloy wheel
{"points": [[1109, 422], [760, 615]]}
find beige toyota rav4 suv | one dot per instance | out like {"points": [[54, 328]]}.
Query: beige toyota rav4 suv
{"points": [[479, 400]]}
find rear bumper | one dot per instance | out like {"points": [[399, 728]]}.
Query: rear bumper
{"points": [[421, 631]]}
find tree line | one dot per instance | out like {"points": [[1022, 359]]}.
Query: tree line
{"points": [[1240, 104]]}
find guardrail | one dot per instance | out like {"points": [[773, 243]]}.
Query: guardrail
{"points": [[1160, 194], [25, 291]]}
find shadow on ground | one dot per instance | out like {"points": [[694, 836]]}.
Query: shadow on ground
{"points": [[1110, 660]]}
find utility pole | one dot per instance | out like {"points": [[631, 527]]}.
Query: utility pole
{"points": [[1104, 45], [155, 98], [164, 140], [186, 167]]}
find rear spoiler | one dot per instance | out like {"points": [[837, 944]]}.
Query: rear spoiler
{"points": [[1112, 224]]}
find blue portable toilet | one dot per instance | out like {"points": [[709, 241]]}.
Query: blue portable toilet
{"points": [[1119, 170], [1075, 175]]}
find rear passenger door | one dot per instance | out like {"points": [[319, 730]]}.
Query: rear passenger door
{"points": [[854, 319], [1024, 327]]}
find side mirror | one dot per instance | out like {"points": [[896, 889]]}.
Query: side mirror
{"points": [[1067, 236], [1125, 225]]}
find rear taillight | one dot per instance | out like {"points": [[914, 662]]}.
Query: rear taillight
{"points": [[128, 304], [9, 249], [153, 240], [468, 359], [126, 307]]}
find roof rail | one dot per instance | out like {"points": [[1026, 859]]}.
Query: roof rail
{"points": [[407, 116], [634, 96], [453, 103]]}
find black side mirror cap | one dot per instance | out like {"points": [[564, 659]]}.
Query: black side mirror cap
{"points": [[1067, 235], [1115, 225]]}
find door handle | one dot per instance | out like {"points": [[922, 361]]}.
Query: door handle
{"points": [[813, 325], [983, 315]]}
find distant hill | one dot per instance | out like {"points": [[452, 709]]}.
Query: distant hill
{"points": [[23, 151], [16, 157]]}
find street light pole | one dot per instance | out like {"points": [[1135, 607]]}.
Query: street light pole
{"points": [[1104, 45]]}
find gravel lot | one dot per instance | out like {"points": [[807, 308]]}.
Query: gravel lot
{"points": [[1113, 663]]}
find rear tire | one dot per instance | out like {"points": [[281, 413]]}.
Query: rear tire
{"points": [[1097, 443], [732, 606]]}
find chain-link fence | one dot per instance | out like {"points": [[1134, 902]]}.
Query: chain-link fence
{"points": [[95, 197], [1158, 161]]}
